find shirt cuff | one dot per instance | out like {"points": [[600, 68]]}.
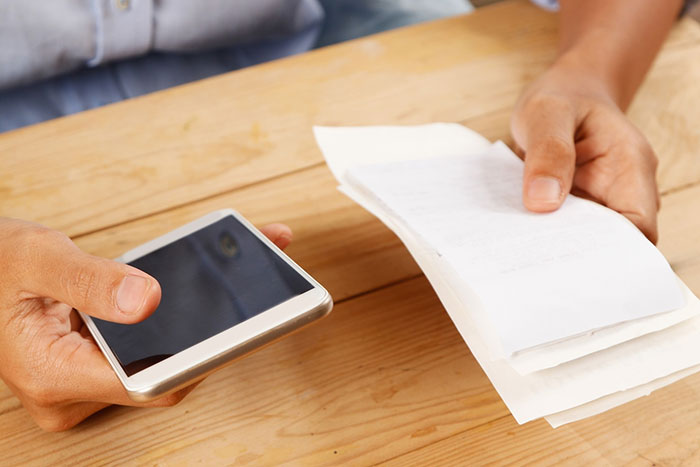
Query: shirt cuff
{"points": [[551, 5], [124, 28]]}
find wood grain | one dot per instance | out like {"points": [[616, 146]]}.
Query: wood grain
{"points": [[270, 392], [385, 377], [679, 224], [384, 373], [340, 244], [330, 230], [170, 148], [658, 430], [354, 332]]}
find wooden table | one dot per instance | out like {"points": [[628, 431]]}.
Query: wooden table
{"points": [[386, 377]]}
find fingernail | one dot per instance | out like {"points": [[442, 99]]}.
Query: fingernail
{"points": [[544, 190], [132, 294], [284, 239]]}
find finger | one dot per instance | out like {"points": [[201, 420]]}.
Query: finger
{"points": [[280, 234], [520, 152], [89, 377], [57, 416], [589, 149], [171, 399], [545, 130], [576, 191], [63, 418], [54, 267], [635, 197], [646, 223]]}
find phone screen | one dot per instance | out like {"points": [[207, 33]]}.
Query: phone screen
{"points": [[211, 280]]}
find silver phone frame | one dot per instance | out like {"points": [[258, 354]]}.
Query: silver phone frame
{"points": [[198, 361]]}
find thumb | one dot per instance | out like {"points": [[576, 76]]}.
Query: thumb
{"points": [[96, 286], [546, 134]]}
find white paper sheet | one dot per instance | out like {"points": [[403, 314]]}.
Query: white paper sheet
{"points": [[572, 384], [355, 146], [613, 400], [551, 355], [555, 390], [541, 277]]}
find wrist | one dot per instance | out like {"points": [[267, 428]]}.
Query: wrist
{"points": [[569, 76], [598, 58]]}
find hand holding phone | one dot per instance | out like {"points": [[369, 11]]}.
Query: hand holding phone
{"points": [[226, 291], [47, 356]]}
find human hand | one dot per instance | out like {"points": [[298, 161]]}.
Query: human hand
{"points": [[47, 356], [574, 138]]}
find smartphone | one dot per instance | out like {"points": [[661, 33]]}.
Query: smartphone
{"points": [[227, 290]]}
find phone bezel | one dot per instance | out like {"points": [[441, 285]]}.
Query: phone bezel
{"points": [[197, 361]]}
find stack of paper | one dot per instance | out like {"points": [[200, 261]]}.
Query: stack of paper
{"points": [[569, 313]]}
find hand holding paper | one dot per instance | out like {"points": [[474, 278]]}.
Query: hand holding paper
{"points": [[526, 291], [541, 277]]}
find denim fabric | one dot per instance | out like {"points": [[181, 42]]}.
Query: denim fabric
{"points": [[350, 19]]}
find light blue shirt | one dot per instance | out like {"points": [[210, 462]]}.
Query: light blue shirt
{"points": [[94, 52], [59, 57]]}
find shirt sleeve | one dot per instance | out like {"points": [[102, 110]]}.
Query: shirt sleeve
{"points": [[123, 28], [551, 5], [128, 28], [43, 38], [40, 38]]}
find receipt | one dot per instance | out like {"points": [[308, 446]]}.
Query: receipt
{"points": [[585, 378]]}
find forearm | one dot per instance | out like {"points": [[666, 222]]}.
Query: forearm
{"points": [[614, 42]]}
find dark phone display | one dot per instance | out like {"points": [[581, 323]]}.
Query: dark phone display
{"points": [[211, 281]]}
